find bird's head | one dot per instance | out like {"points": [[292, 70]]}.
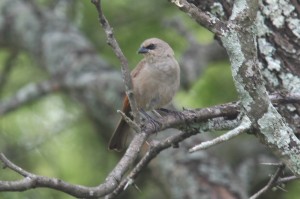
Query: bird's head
{"points": [[155, 47]]}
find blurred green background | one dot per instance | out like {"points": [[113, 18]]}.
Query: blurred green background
{"points": [[54, 137]]}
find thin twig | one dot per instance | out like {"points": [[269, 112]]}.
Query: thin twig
{"points": [[271, 164], [130, 122], [287, 179], [271, 183], [244, 126], [111, 40], [7, 163]]}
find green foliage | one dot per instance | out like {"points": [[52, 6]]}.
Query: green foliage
{"points": [[21, 74], [293, 190], [214, 87]]}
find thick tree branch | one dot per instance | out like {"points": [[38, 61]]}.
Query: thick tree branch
{"points": [[252, 91], [239, 39]]}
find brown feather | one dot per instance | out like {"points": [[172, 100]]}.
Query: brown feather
{"points": [[119, 137]]}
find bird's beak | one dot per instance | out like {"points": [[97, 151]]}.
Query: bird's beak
{"points": [[143, 50]]}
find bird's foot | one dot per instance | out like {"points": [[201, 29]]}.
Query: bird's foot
{"points": [[151, 120]]}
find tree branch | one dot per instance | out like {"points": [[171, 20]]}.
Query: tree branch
{"points": [[124, 63], [244, 126], [240, 43], [238, 36], [186, 117], [182, 119], [158, 146]]}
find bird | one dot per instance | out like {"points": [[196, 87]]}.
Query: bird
{"points": [[155, 80]]}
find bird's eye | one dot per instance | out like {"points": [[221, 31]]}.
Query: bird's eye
{"points": [[151, 46]]}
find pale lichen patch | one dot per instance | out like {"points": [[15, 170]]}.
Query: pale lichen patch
{"points": [[249, 71], [272, 78], [286, 7], [272, 126], [294, 25], [291, 107], [290, 82], [238, 9], [262, 29], [273, 64], [217, 9], [275, 10], [265, 47]]}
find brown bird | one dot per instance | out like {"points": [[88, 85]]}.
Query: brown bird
{"points": [[155, 81]]}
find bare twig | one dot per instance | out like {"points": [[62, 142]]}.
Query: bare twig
{"points": [[124, 63], [287, 179], [271, 183], [12, 166], [244, 126], [130, 122], [271, 164]]}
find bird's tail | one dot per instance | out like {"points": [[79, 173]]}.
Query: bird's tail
{"points": [[118, 140]]}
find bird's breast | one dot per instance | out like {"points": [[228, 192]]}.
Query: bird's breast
{"points": [[156, 84]]}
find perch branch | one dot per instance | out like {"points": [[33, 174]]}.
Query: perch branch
{"points": [[158, 146], [114, 178]]}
